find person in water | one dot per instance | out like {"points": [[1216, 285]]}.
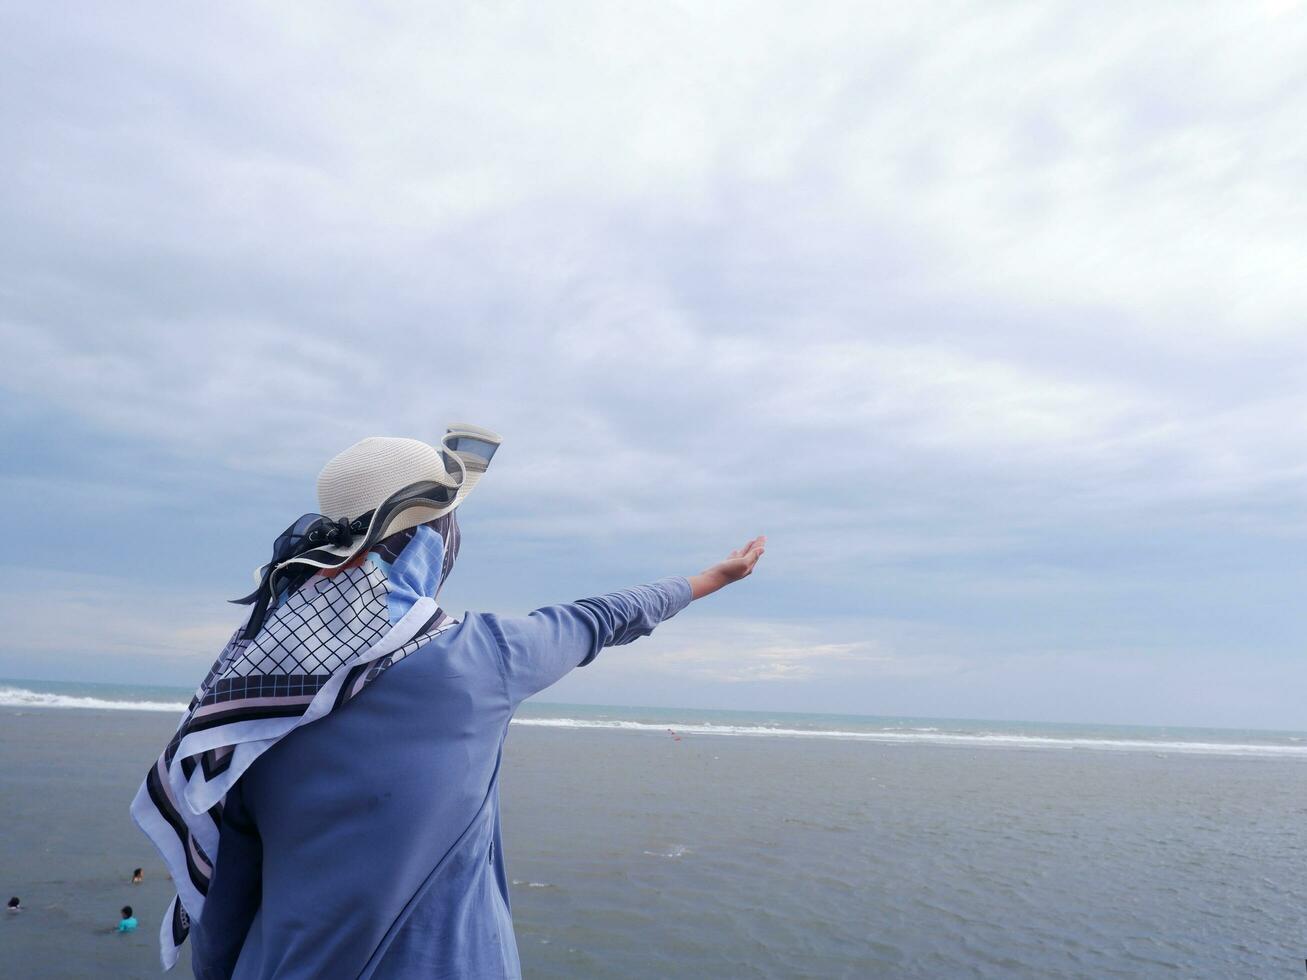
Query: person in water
{"points": [[14, 905], [128, 921], [138, 876], [329, 804]]}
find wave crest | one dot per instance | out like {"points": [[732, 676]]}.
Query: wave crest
{"points": [[18, 697], [932, 737]]}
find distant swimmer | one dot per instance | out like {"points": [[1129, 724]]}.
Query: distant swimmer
{"points": [[128, 922], [14, 905], [138, 876]]}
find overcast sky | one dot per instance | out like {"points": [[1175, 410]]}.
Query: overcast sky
{"points": [[990, 316]]}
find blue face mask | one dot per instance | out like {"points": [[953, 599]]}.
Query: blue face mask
{"points": [[417, 562]]}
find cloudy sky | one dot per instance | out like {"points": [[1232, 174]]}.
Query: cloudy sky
{"points": [[991, 316]]}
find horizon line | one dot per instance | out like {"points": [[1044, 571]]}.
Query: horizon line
{"points": [[186, 691]]}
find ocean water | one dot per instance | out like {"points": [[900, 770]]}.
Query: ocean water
{"points": [[662, 843]]}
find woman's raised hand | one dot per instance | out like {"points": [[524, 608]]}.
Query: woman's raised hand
{"points": [[739, 564]]}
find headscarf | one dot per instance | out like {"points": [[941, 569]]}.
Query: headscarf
{"points": [[316, 648]]}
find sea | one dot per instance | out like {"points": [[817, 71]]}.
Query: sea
{"points": [[661, 842]]}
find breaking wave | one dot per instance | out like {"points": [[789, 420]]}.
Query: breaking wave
{"points": [[18, 697], [933, 737]]}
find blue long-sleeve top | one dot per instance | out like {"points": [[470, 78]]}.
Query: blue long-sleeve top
{"points": [[367, 844]]}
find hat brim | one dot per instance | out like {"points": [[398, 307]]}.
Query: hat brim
{"points": [[469, 447], [404, 515]]}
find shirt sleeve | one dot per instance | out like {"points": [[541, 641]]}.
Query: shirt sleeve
{"points": [[538, 649]]}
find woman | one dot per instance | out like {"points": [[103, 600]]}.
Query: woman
{"points": [[367, 844]]}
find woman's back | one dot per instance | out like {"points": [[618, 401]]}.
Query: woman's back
{"points": [[376, 828], [355, 812]]}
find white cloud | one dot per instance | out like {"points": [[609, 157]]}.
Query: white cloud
{"points": [[995, 286], [702, 647], [84, 615]]}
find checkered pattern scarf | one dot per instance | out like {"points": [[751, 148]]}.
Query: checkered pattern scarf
{"points": [[322, 644]]}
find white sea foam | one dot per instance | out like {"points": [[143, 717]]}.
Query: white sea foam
{"points": [[973, 739], [18, 697]]}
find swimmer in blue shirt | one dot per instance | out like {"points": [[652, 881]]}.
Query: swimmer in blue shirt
{"points": [[128, 922]]}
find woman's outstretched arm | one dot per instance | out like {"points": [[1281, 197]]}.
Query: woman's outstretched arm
{"points": [[540, 648]]}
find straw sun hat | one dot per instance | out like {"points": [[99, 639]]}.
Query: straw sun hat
{"points": [[386, 485], [375, 488]]}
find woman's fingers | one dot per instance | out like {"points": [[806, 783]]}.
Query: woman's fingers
{"points": [[749, 549], [751, 552], [747, 556]]}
